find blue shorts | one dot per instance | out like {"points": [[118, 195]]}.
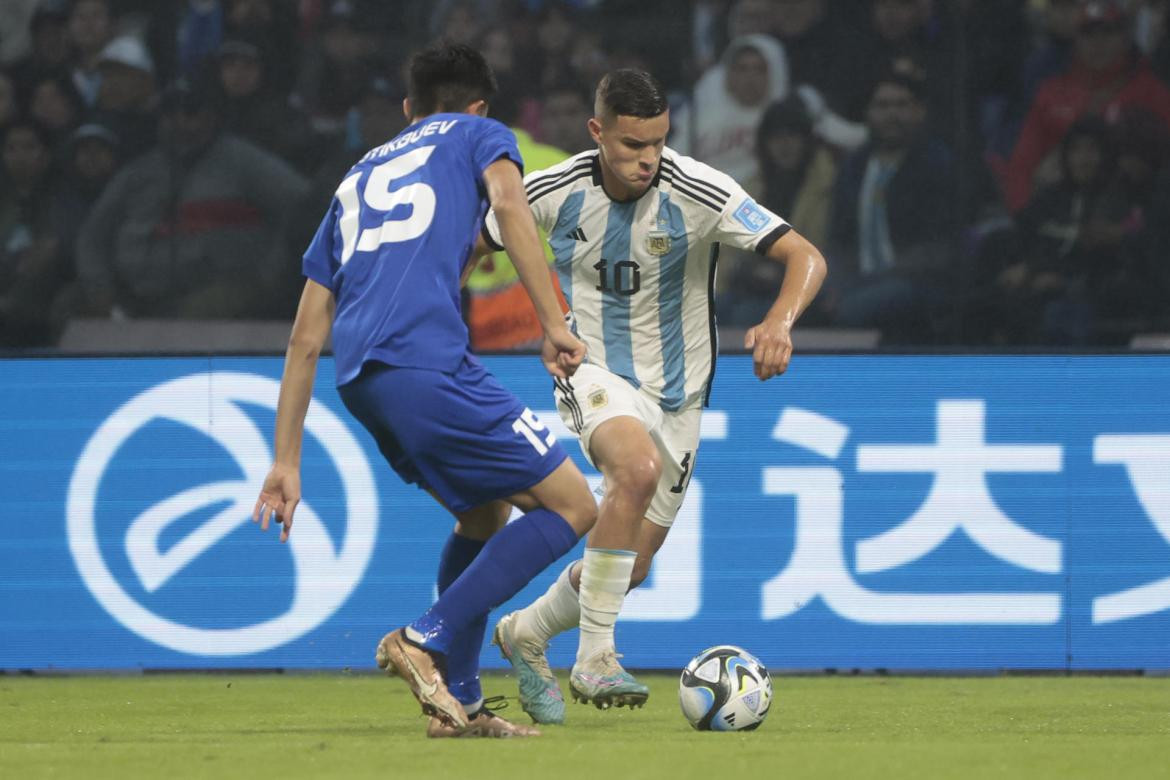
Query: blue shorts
{"points": [[462, 436]]}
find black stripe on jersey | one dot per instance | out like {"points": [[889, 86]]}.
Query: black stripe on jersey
{"points": [[767, 241], [678, 186], [543, 178], [487, 236], [569, 398], [714, 325], [706, 186], [539, 186], [558, 185]]}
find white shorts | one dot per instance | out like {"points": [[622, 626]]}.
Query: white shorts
{"points": [[595, 395]]}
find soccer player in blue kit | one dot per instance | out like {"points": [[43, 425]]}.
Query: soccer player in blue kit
{"points": [[383, 273]]}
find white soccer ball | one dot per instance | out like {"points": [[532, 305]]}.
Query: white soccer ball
{"points": [[725, 688]]}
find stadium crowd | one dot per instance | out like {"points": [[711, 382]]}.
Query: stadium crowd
{"points": [[977, 172]]}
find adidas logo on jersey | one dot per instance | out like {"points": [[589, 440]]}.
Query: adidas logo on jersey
{"points": [[577, 235]]}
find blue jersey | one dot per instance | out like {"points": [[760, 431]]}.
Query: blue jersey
{"points": [[398, 233]]}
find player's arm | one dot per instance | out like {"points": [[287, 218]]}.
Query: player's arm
{"points": [[481, 248], [771, 340], [518, 233], [282, 488]]}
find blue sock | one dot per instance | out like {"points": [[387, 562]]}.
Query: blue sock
{"points": [[507, 563], [463, 655]]}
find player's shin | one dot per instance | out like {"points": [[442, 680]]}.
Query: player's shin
{"points": [[605, 578], [463, 655], [508, 561], [557, 610]]}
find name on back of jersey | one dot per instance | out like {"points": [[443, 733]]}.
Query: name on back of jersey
{"points": [[439, 126]]}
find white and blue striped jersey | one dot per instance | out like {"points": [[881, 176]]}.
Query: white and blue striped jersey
{"points": [[639, 276]]}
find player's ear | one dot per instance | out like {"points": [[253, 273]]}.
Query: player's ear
{"points": [[594, 129], [479, 108], [406, 108]]}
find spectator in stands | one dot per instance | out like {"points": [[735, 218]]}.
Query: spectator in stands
{"points": [[814, 34], [92, 160], [564, 116], [32, 261], [797, 174], [376, 118], [1052, 55], [272, 26], [797, 169], [54, 103], [91, 28], [912, 31], [893, 219], [460, 22], [199, 34], [194, 228], [48, 33], [719, 125], [1068, 226], [1106, 75], [127, 98], [257, 113], [336, 68], [9, 107]]}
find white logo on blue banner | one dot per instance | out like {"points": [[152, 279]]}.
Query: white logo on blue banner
{"points": [[325, 573]]}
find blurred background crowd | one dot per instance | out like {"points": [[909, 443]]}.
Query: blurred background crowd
{"points": [[979, 173]]}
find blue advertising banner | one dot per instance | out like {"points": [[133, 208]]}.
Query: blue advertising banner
{"points": [[905, 513]]}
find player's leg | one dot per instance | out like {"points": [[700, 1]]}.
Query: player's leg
{"points": [[523, 635], [473, 529], [627, 457], [366, 399], [469, 441]]}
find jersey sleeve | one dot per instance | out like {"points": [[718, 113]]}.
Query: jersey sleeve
{"points": [[493, 141], [320, 259], [745, 224], [542, 211]]}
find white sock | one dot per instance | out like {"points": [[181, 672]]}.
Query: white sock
{"points": [[556, 611], [605, 578]]}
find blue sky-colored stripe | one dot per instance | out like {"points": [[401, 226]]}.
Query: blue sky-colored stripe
{"points": [[615, 308], [671, 274], [563, 245]]}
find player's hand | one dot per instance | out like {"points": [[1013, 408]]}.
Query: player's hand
{"points": [[562, 352], [771, 346], [278, 499]]}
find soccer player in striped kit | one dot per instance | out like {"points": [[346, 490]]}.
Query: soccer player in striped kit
{"points": [[384, 280], [636, 230]]}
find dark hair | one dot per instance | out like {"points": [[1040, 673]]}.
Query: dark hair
{"points": [[904, 73], [448, 77], [789, 114], [629, 92]]}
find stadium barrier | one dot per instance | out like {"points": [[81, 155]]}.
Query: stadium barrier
{"points": [[862, 512]]}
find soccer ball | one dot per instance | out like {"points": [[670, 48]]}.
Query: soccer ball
{"points": [[725, 688]]}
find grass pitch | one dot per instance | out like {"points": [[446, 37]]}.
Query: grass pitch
{"points": [[356, 726]]}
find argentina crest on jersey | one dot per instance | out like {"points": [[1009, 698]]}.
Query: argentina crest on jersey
{"points": [[657, 239]]}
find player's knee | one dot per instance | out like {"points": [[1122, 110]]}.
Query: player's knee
{"points": [[581, 513], [639, 476]]}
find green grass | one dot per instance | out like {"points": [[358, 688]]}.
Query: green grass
{"points": [[353, 726]]}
